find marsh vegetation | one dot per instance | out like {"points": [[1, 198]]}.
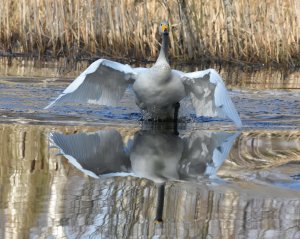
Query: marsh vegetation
{"points": [[246, 31]]}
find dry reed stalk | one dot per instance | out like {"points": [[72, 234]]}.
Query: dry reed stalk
{"points": [[246, 30]]}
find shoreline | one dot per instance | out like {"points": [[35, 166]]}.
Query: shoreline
{"points": [[178, 62]]}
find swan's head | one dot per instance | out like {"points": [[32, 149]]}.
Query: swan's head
{"points": [[164, 27]]}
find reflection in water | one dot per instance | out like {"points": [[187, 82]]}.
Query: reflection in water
{"points": [[153, 155], [267, 158], [275, 148], [265, 78], [44, 196], [227, 213]]}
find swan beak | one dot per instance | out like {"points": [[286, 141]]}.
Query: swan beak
{"points": [[165, 28]]}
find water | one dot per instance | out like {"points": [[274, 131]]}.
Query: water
{"points": [[144, 181]]}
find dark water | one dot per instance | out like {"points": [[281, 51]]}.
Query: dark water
{"points": [[98, 172]]}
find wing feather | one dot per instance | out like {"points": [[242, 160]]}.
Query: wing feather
{"points": [[95, 153], [205, 151], [103, 83], [209, 95]]}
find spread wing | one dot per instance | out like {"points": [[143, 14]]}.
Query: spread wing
{"points": [[209, 95], [223, 142], [95, 154], [205, 151], [103, 83]]}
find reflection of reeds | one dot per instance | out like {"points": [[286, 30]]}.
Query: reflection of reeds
{"points": [[265, 149], [246, 30]]}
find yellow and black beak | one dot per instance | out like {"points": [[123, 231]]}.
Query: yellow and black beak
{"points": [[165, 28]]}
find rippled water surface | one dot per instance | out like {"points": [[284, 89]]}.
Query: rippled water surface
{"points": [[97, 172]]}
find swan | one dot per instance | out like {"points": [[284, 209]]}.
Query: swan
{"points": [[158, 90]]}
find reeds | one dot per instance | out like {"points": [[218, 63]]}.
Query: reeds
{"points": [[248, 31]]}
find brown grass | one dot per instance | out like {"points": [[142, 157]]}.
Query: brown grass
{"points": [[250, 31]]}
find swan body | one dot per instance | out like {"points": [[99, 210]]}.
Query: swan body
{"points": [[158, 89]]}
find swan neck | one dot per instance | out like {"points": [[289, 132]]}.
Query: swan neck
{"points": [[163, 54]]}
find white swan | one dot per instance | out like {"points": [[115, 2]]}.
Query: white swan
{"points": [[158, 89]]}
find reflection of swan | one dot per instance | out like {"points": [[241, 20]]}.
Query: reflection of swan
{"points": [[153, 155], [158, 90]]}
